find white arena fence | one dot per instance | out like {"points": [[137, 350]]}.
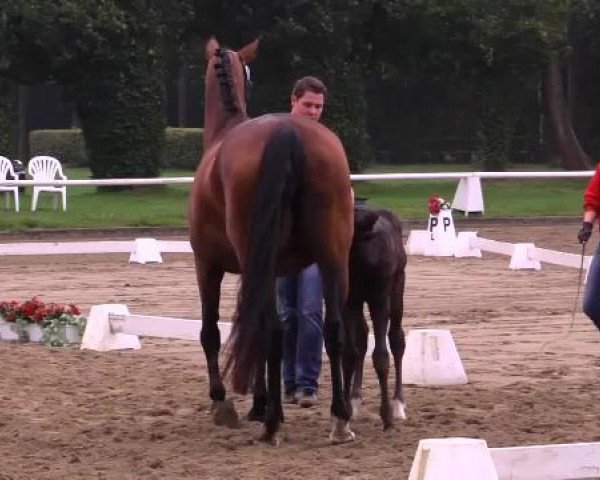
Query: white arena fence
{"points": [[468, 197], [436, 459], [471, 459], [150, 250]]}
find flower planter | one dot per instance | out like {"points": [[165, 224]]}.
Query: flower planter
{"points": [[35, 333], [69, 334], [7, 332], [53, 324]]}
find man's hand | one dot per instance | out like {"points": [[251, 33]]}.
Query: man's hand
{"points": [[586, 232]]}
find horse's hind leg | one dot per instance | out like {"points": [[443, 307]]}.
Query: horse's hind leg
{"points": [[381, 360], [397, 342], [209, 281], [274, 410], [350, 356], [361, 337], [259, 401], [333, 290]]}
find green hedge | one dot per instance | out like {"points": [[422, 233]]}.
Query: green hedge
{"points": [[67, 145], [183, 147]]}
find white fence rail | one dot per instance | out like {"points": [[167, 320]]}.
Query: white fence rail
{"points": [[90, 247], [468, 197], [363, 177]]}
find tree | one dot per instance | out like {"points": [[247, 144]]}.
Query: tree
{"points": [[111, 56], [300, 37]]}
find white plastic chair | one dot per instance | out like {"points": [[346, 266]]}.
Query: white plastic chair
{"points": [[43, 169], [6, 170]]}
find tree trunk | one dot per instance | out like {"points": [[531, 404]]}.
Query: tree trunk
{"points": [[23, 133], [566, 143]]}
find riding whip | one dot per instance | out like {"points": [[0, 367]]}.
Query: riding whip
{"points": [[574, 310]]}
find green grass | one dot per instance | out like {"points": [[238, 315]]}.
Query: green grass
{"points": [[88, 207], [502, 198]]}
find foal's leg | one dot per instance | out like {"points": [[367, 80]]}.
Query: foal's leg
{"points": [[397, 342], [379, 309], [333, 331], [209, 280]]}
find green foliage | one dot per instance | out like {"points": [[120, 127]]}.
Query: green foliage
{"points": [[183, 148], [122, 122], [8, 119], [346, 115], [54, 332], [67, 145], [89, 207], [112, 56], [403, 74]]}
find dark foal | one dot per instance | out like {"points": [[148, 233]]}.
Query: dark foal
{"points": [[377, 277]]}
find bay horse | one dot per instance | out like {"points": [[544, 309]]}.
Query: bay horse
{"points": [[377, 278], [271, 195]]}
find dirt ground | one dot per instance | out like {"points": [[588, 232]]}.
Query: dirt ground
{"points": [[66, 413]]}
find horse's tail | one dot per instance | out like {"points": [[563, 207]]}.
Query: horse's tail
{"points": [[256, 320]]}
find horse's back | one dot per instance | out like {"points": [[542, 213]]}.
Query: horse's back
{"points": [[227, 180], [241, 151], [377, 256]]}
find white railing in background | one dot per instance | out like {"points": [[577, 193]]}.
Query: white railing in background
{"points": [[468, 197], [362, 177]]}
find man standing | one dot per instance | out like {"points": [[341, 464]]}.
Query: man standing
{"points": [[300, 297]]}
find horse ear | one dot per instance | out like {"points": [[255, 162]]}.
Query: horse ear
{"points": [[211, 47], [248, 53]]}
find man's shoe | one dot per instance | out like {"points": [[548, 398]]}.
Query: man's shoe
{"points": [[290, 398], [307, 399]]}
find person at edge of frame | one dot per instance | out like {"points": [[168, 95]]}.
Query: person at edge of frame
{"points": [[591, 210]]}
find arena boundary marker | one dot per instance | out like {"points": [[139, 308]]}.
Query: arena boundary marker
{"points": [[431, 355], [469, 458], [141, 250], [523, 255], [567, 461]]}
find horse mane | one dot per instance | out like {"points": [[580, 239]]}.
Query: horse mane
{"points": [[225, 78]]}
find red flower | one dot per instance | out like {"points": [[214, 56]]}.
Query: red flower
{"points": [[35, 310], [434, 204]]}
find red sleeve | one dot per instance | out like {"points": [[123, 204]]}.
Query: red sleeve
{"points": [[591, 197]]}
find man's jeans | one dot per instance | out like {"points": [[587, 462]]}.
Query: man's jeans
{"points": [[591, 298], [300, 304]]}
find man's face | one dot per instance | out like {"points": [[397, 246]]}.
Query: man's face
{"points": [[310, 105]]}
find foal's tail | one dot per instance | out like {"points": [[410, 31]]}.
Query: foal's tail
{"points": [[279, 178]]}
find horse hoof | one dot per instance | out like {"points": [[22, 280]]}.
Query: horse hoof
{"points": [[341, 432], [399, 410], [225, 414], [255, 415], [272, 439], [355, 403]]}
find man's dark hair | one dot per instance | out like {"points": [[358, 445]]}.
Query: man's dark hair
{"points": [[309, 84]]}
